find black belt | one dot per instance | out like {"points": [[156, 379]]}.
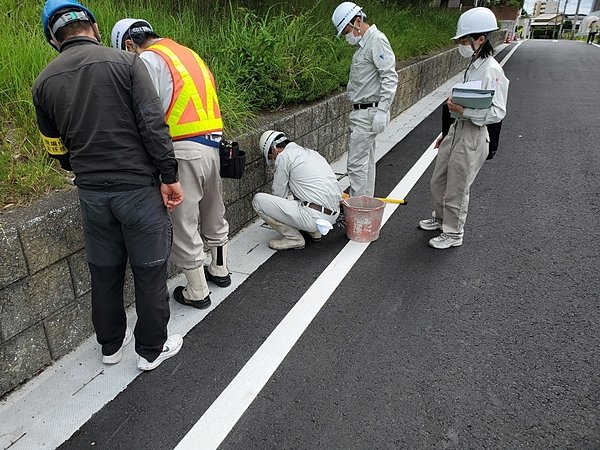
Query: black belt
{"points": [[212, 140], [365, 105], [319, 208]]}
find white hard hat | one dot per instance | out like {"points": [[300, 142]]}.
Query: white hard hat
{"points": [[122, 27], [476, 20], [343, 14], [268, 139]]}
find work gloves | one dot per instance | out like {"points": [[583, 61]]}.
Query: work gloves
{"points": [[380, 121]]}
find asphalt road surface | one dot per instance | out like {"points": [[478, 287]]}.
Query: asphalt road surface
{"points": [[495, 344]]}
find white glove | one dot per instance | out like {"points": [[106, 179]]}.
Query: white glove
{"points": [[323, 226], [380, 121]]}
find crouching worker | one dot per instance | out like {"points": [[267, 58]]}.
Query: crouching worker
{"points": [[308, 177]]}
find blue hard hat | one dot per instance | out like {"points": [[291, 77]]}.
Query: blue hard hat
{"points": [[51, 7]]}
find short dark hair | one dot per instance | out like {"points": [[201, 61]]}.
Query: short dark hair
{"points": [[72, 29], [362, 15], [487, 49], [283, 144]]}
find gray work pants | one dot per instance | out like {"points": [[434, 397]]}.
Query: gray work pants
{"points": [[130, 224], [460, 156], [361, 152], [200, 219], [290, 212]]}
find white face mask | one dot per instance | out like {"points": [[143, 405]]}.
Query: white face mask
{"points": [[352, 40], [466, 51]]}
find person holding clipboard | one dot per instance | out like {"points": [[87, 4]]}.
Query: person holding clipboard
{"points": [[464, 149]]}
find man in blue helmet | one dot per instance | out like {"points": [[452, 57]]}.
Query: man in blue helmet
{"points": [[99, 115]]}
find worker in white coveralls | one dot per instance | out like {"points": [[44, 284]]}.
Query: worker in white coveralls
{"points": [[371, 89], [187, 90], [308, 177]]}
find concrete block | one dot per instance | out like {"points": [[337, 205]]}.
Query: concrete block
{"points": [[325, 136], [254, 177], [231, 190], [25, 303], [52, 232], [320, 114], [303, 123], [340, 126], [337, 106], [249, 143], [286, 125], [80, 273], [12, 264], [22, 357], [240, 213], [310, 140], [12, 318], [66, 328]]}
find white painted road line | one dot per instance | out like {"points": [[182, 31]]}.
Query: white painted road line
{"points": [[220, 418], [216, 423], [46, 411]]}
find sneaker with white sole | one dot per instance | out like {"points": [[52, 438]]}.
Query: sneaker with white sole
{"points": [[430, 224], [170, 348], [118, 355], [445, 241]]}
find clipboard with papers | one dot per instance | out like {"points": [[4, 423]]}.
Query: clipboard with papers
{"points": [[471, 95]]}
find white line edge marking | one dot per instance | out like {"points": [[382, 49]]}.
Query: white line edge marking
{"points": [[219, 419]]}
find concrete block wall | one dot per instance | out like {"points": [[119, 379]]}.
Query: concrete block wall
{"points": [[44, 279]]}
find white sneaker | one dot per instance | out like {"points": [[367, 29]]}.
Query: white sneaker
{"points": [[170, 348], [444, 241], [118, 355], [430, 224]]}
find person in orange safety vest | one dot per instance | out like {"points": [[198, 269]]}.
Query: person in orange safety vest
{"points": [[187, 90]]}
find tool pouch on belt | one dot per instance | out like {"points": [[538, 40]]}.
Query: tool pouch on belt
{"points": [[233, 160]]}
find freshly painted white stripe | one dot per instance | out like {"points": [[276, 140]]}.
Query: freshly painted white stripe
{"points": [[216, 423], [507, 57], [44, 412]]}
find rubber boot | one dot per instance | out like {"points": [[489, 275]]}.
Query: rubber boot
{"points": [[196, 293], [292, 239], [218, 272]]}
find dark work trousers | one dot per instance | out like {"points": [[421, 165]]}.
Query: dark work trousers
{"points": [[119, 225], [591, 37]]}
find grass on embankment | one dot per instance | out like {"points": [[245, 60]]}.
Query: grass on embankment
{"points": [[262, 59]]}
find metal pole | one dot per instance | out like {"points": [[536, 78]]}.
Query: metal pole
{"points": [[562, 19], [554, 33], [576, 17]]}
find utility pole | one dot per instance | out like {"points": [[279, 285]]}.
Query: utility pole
{"points": [[562, 19], [575, 19]]}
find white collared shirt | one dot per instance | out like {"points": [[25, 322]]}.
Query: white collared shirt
{"points": [[492, 77]]}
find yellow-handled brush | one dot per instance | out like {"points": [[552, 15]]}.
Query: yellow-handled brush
{"points": [[397, 201]]}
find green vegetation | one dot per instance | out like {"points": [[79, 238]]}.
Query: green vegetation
{"points": [[263, 55]]}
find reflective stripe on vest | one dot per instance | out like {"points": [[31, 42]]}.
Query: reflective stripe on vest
{"points": [[194, 107]]}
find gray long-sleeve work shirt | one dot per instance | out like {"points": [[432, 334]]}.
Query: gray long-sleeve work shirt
{"points": [[373, 76]]}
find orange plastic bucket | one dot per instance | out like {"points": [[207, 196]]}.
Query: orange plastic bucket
{"points": [[363, 218]]}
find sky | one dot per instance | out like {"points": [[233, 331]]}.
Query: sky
{"points": [[584, 7]]}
